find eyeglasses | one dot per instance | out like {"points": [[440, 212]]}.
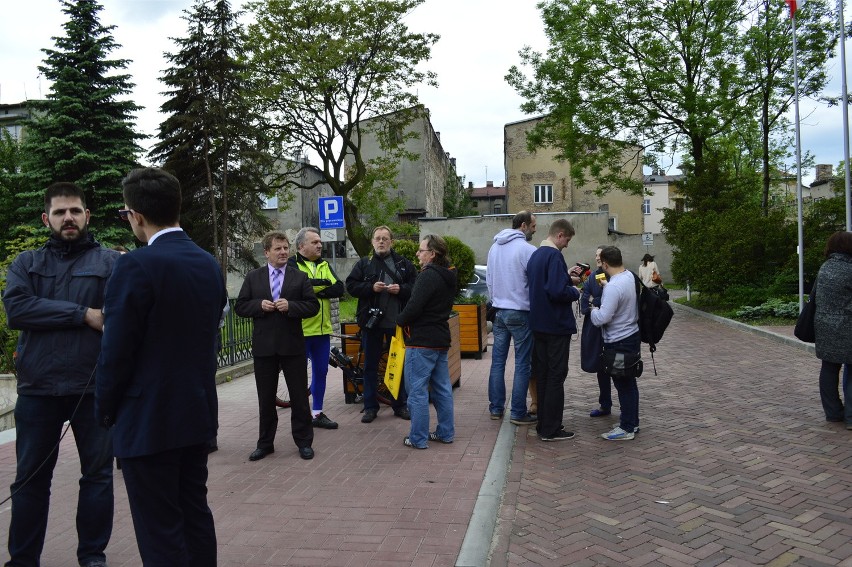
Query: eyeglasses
{"points": [[124, 213]]}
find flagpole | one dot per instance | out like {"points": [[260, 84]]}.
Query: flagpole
{"points": [[800, 248], [844, 105]]}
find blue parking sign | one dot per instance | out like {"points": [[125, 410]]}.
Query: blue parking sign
{"points": [[331, 213]]}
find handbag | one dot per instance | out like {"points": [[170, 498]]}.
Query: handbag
{"points": [[804, 329], [657, 278], [591, 345], [622, 364], [396, 362]]}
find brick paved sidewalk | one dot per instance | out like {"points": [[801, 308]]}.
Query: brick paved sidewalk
{"points": [[734, 465], [365, 499]]}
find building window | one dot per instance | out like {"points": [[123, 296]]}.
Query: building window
{"points": [[498, 208], [543, 194], [612, 224], [646, 206], [679, 206], [270, 202]]}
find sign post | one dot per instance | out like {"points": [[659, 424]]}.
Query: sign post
{"points": [[330, 220], [648, 238]]}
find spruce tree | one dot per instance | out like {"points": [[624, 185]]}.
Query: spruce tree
{"points": [[211, 139], [83, 132]]}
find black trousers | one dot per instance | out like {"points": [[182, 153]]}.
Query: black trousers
{"points": [[295, 368], [550, 367], [167, 493]]}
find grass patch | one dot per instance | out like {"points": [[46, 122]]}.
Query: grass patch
{"points": [[348, 305]]}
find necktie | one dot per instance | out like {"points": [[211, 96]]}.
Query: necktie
{"points": [[276, 283]]}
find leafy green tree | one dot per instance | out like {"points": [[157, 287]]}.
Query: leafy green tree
{"points": [[212, 139], [27, 238], [767, 61], [9, 167], [83, 132], [321, 67], [457, 199]]}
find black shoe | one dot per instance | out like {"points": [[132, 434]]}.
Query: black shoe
{"points": [[402, 413], [306, 453], [369, 415], [258, 454], [560, 435], [323, 422], [212, 448], [526, 420]]}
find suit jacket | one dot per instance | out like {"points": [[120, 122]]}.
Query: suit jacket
{"points": [[277, 333], [156, 377]]}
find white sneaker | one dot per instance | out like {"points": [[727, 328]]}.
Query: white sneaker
{"points": [[617, 434]]}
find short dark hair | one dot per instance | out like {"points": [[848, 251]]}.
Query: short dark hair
{"points": [[612, 256], [840, 241], [62, 189], [647, 258], [273, 235], [155, 193], [521, 218], [561, 225], [439, 246]]}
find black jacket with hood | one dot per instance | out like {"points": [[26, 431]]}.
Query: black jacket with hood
{"points": [[424, 318]]}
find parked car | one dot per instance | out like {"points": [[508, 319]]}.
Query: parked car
{"points": [[476, 285]]}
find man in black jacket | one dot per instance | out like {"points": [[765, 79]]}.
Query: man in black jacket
{"points": [[382, 282], [278, 297], [54, 296]]}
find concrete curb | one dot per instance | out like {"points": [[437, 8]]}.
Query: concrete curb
{"points": [[476, 546], [790, 341]]}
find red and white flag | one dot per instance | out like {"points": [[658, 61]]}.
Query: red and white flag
{"points": [[794, 6]]}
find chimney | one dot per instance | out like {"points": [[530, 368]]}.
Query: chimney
{"points": [[823, 172], [470, 184], [489, 184]]}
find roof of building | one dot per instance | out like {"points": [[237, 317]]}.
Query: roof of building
{"points": [[488, 191]]}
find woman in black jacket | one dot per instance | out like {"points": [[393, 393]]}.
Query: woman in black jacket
{"points": [[427, 340]]}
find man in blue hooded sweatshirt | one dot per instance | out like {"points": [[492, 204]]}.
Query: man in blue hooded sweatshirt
{"points": [[506, 278]]}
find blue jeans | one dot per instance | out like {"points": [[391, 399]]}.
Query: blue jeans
{"points": [[627, 388], [425, 368], [373, 342], [39, 421], [510, 325], [317, 348]]}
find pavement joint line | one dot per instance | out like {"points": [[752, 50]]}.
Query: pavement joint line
{"points": [[476, 546]]}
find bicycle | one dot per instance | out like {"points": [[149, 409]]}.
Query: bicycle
{"points": [[353, 373]]}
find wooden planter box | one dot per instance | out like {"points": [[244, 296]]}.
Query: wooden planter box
{"points": [[351, 347], [473, 328]]}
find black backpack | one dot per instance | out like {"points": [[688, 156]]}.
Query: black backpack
{"points": [[655, 314]]}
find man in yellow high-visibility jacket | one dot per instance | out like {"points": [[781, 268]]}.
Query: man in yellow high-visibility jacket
{"points": [[317, 329]]}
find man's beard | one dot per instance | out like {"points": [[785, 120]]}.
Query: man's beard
{"points": [[80, 235]]}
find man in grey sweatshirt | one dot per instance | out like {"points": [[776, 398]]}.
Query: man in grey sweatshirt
{"points": [[506, 278]]}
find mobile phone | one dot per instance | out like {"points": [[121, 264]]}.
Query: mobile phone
{"points": [[584, 266]]}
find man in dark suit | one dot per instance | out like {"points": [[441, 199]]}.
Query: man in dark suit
{"points": [[156, 380], [278, 297]]}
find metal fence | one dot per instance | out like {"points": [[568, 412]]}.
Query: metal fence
{"points": [[236, 338]]}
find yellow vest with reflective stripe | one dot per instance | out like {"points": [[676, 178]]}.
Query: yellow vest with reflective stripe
{"points": [[319, 324]]}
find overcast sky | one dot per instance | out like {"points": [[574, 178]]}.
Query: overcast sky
{"points": [[480, 40]]}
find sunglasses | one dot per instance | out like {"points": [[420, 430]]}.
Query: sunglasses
{"points": [[124, 213]]}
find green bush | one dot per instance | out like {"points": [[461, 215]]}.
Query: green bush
{"points": [[463, 258], [407, 249], [771, 308]]}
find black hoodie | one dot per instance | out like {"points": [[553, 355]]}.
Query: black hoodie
{"points": [[424, 318]]}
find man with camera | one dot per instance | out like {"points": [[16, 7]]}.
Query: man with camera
{"points": [[317, 329], [382, 282]]}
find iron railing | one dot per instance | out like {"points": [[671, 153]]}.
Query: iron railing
{"points": [[236, 338]]}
